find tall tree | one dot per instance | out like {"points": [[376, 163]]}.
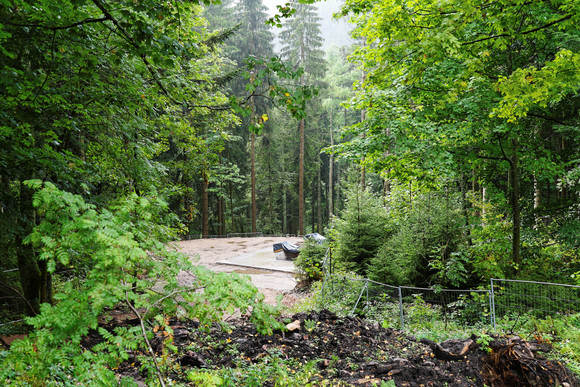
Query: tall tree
{"points": [[91, 95], [301, 45], [255, 40], [464, 84]]}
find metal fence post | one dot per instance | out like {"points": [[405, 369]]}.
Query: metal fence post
{"points": [[401, 308], [324, 274], [492, 304], [367, 292], [360, 295]]}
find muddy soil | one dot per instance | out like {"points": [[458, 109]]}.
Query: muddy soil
{"points": [[350, 352]]}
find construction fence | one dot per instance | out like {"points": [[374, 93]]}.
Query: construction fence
{"points": [[398, 305]]}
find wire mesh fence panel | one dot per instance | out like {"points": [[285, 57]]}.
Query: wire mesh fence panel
{"points": [[382, 304], [341, 294], [465, 307], [539, 299], [406, 306]]}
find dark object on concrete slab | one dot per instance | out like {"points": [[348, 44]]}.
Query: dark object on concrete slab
{"points": [[316, 237], [286, 250]]}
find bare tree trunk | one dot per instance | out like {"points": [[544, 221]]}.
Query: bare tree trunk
{"points": [[330, 170], [301, 161], [253, 180], [516, 211], [319, 186], [387, 182], [30, 273], [337, 189], [363, 117], [284, 211], [220, 216], [537, 202], [301, 182], [232, 207], [205, 205]]}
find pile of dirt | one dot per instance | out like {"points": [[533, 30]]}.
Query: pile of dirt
{"points": [[351, 351]]}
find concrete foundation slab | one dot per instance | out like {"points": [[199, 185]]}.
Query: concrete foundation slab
{"points": [[264, 259]]}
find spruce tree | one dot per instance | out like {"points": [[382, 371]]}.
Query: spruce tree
{"points": [[301, 45]]}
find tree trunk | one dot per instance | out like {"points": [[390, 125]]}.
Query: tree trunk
{"points": [[270, 197], [220, 216], [301, 161], [319, 196], [232, 207], [313, 206], [205, 205], [337, 189], [330, 171], [284, 211], [301, 182], [465, 208], [30, 274], [515, 201], [363, 117], [253, 180], [387, 182]]}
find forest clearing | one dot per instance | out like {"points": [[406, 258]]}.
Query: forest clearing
{"points": [[437, 149]]}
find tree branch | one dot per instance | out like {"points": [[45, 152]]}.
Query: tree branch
{"points": [[547, 118], [523, 33], [144, 333], [127, 37], [56, 28]]}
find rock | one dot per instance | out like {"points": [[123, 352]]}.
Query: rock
{"points": [[294, 325]]}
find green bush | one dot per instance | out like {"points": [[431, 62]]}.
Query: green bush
{"points": [[130, 265], [274, 369], [310, 261], [424, 248], [360, 231]]}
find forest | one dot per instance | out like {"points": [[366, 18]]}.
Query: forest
{"points": [[440, 149]]}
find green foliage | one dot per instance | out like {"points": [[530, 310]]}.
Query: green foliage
{"points": [[337, 294], [360, 230], [268, 79], [129, 263], [309, 262], [471, 90], [205, 379], [490, 252], [484, 340], [425, 249], [273, 368]]}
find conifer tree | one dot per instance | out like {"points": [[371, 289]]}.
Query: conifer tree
{"points": [[301, 45]]}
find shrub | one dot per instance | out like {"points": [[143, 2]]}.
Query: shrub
{"points": [[423, 250], [130, 265], [310, 261], [360, 230]]}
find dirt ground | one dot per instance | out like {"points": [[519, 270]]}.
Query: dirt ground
{"points": [[350, 352], [208, 252]]}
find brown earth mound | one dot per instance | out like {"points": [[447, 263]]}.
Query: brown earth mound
{"points": [[350, 351]]}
